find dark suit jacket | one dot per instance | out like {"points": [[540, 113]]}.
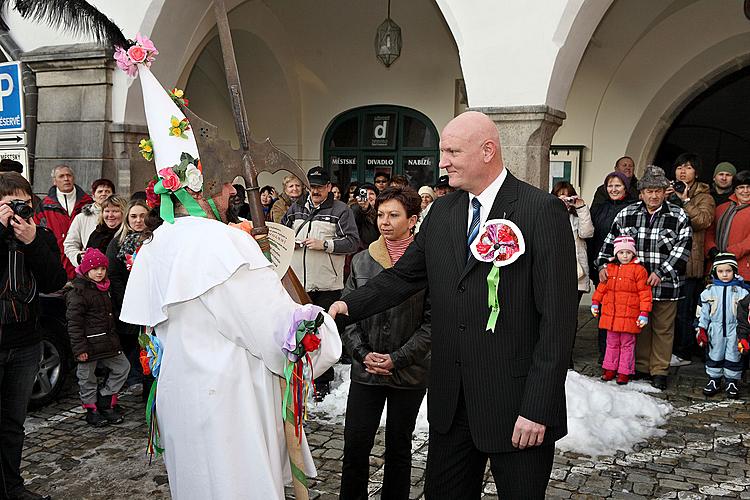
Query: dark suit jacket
{"points": [[519, 369]]}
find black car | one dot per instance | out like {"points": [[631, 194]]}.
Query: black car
{"points": [[57, 357]]}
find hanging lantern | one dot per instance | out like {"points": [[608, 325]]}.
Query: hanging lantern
{"points": [[388, 40]]}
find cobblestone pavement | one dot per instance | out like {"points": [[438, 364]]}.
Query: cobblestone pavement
{"points": [[704, 453]]}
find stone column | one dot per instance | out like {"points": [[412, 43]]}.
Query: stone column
{"points": [[74, 112], [525, 135], [133, 171]]}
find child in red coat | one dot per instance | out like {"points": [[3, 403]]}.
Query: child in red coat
{"points": [[624, 301]]}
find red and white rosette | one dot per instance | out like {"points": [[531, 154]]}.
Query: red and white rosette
{"points": [[500, 242]]}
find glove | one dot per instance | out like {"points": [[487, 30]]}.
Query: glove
{"points": [[743, 346], [642, 320], [595, 310], [702, 337]]}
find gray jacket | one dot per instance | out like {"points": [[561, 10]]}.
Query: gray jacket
{"points": [[332, 221], [403, 331]]}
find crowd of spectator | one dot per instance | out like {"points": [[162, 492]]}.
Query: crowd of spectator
{"points": [[686, 235]]}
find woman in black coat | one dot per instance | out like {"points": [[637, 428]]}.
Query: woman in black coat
{"points": [[603, 215], [120, 253], [110, 220], [390, 358]]}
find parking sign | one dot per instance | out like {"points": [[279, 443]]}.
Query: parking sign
{"points": [[11, 97]]}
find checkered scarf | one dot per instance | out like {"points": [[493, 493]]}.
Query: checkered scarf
{"points": [[663, 241]]}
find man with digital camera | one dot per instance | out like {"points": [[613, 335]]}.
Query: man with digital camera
{"points": [[365, 215], [29, 264], [324, 232]]}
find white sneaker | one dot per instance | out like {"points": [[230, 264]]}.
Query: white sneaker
{"points": [[678, 361]]}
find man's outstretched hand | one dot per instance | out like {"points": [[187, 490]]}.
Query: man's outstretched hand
{"points": [[338, 307]]}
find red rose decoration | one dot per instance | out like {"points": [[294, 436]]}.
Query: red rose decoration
{"points": [[310, 342], [137, 54], [169, 179], [144, 363], [152, 199]]}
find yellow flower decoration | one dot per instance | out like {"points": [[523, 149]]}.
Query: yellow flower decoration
{"points": [[179, 127], [146, 148], [177, 92]]}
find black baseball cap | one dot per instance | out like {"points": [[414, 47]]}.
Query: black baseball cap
{"points": [[316, 176], [442, 182]]}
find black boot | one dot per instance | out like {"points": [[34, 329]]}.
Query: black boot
{"points": [[712, 387], [93, 417], [104, 404]]}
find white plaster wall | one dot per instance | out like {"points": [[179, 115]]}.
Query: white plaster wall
{"points": [[310, 83], [632, 82]]}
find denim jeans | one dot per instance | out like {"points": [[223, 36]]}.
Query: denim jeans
{"points": [[18, 368]]}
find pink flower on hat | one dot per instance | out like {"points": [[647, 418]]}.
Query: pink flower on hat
{"points": [[137, 54], [169, 179]]}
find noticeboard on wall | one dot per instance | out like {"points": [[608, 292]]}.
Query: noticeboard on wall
{"points": [[565, 165]]}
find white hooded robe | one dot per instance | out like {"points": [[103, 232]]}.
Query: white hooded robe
{"points": [[221, 315]]}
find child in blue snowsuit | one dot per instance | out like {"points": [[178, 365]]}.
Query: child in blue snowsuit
{"points": [[717, 326]]}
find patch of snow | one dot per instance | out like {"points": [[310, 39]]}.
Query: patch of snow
{"points": [[602, 417]]}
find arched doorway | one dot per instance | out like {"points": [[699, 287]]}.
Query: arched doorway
{"points": [[365, 141], [714, 126]]}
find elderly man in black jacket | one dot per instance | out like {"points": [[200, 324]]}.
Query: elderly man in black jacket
{"points": [[29, 264], [497, 395]]}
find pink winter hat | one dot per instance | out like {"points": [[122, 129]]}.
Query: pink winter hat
{"points": [[625, 243], [92, 258]]}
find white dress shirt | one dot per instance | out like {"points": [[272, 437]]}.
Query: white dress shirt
{"points": [[486, 198]]}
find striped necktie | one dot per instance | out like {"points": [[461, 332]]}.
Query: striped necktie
{"points": [[474, 226]]}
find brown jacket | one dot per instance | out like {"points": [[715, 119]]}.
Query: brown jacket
{"points": [[91, 324], [700, 209]]}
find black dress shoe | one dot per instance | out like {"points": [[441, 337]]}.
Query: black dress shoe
{"points": [[659, 382], [641, 376], [24, 494]]}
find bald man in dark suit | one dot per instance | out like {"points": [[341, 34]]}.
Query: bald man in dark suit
{"points": [[492, 395]]}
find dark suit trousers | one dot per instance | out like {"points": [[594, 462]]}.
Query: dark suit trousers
{"points": [[455, 467]]}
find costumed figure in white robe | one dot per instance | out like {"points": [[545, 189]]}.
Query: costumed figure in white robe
{"points": [[224, 328], [221, 315]]}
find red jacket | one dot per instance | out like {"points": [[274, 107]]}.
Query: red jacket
{"points": [[623, 297], [53, 216], [738, 242]]}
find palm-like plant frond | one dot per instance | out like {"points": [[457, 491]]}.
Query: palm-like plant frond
{"points": [[76, 16]]}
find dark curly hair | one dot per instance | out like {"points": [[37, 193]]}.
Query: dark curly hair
{"points": [[407, 196]]}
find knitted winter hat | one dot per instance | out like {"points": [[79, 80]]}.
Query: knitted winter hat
{"points": [[725, 258], [726, 167], [625, 243], [653, 178], [428, 191], [92, 259]]}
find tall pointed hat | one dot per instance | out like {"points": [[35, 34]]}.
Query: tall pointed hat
{"points": [[171, 144]]}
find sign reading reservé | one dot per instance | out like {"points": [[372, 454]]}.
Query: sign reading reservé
{"points": [[11, 97]]}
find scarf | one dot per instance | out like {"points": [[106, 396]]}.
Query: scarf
{"points": [[102, 285], [397, 248], [131, 243], [724, 225]]}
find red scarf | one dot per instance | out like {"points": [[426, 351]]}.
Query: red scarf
{"points": [[397, 248]]}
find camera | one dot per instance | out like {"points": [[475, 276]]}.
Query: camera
{"points": [[362, 196], [570, 199], [679, 186], [21, 209]]}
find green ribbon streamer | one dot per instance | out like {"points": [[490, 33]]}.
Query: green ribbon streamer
{"points": [[212, 204], [166, 209], [151, 415], [493, 283]]}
